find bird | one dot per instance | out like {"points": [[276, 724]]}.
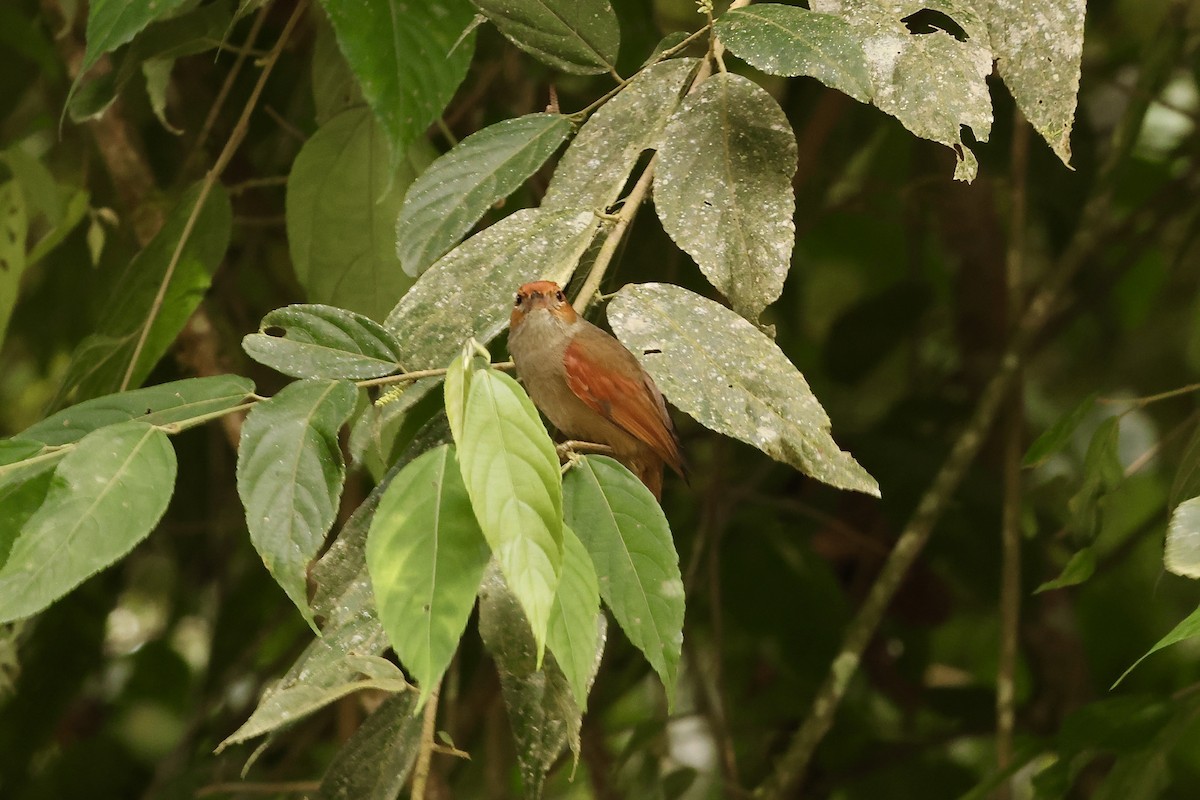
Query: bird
{"points": [[589, 385]]}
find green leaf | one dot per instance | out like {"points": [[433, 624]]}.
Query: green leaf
{"points": [[318, 341], [99, 363], [1079, 568], [469, 291], [596, 167], [1183, 539], [342, 199], [452, 195], [179, 403], [408, 59], [627, 536], [731, 378], [933, 83], [1186, 629], [290, 474], [14, 229], [21, 495], [426, 556], [157, 72], [1057, 435], [375, 761], [1101, 474], [1038, 47], [541, 706], [43, 195], [578, 36], [106, 496], [458, 384], [511, 472], [112, 23], [76, 209], [787, 40], [334, 86], [723, 189], [573, 636]]}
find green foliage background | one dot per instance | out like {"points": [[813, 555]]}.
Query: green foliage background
{"points": [[158, 677]]}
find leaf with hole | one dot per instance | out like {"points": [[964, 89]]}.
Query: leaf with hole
{"points": [[731, 378], [289, 476], [319, 341]]}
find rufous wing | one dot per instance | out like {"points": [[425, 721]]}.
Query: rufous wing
{"points": [[606, 376]]}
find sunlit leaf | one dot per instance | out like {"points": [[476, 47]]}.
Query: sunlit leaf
{"points": [[1038, 46], [789, 40], [1183, 539], [731, 378], [511, 472], [342, 199], [595, 168], [408, 60], [723, 189], [105, 497], [319, 341], [572, 635], [290, 474], [1057, 435], [375, 761], [625, 532], [426, 556], [580, 36], [454, 192], [469, 291]]}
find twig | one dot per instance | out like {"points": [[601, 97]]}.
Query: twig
{"points": [[236, 787], [256, 183], [576, 446], [418, 374], [231, 146], [421, 770], [1013, 433], [1142, 402]]}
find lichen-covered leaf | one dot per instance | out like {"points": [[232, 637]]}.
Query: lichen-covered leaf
{"points": [[932, 82], [596, 166], [723, 189], [579, 36], [454, 192], [730, 377], [625, 532], [408, 58], [426, 556], [319, 341], [469, 291], [106, 495], [511, 472], [1038, 45], [289, 477], [343, 195], [375, 761], [789, 40]]}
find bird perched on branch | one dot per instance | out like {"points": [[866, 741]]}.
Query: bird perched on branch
{"points": [[589, 385]]}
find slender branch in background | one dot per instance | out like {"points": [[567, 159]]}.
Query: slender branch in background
{"points": [[231, 146], [1013, 432], [421, 770], [1095, 225], [1141, 402]]}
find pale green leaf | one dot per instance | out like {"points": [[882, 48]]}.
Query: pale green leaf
{"points": [[572, 636], [157, 72], [931, 82], [579, 36], [100, 361], [408, 59], [595, 168], [723, 189], [789, 40], [112, 23], [731, 378], [342, 199], [14, 228], [426, 556], [290, 474], [375, 761], [510, 468], [625, 532], [1187, 629], [1183, 539], [42, 193], [469, 291], [458, 384], [452, 195], [1038, 46], [319, 341], [75, 210], [106, 496]]}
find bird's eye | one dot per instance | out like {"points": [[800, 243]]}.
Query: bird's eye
{"points": [[560, 296], [518, 301]]}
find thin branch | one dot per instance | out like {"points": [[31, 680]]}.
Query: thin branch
{"points": [[418, 374], [231, 146], [235, 189], [1141, 402], [251, 787], [425, 755]]}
